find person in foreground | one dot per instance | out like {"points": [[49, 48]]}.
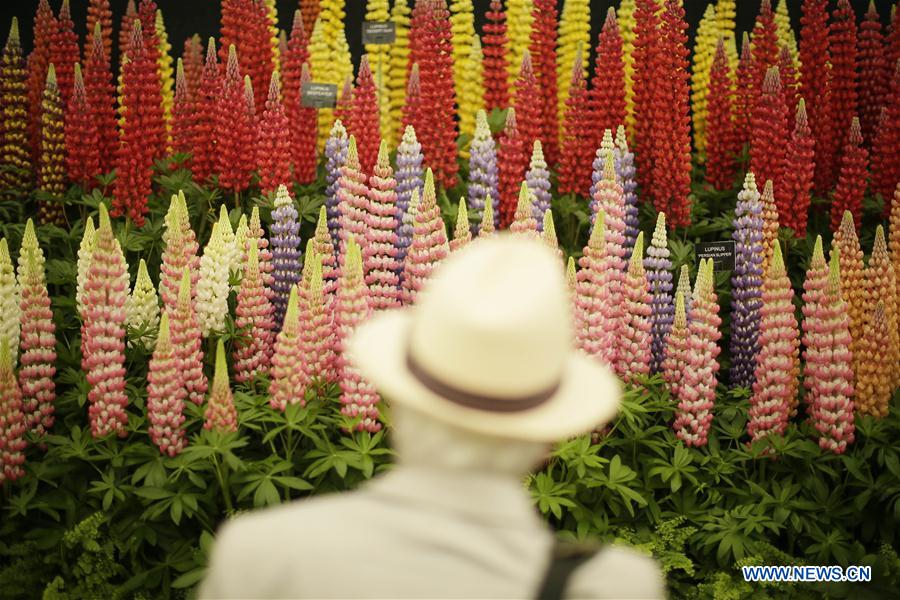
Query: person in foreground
{"points": [[481, 378]]}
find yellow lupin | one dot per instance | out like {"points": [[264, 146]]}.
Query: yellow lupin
{"points": [[574, 33]]}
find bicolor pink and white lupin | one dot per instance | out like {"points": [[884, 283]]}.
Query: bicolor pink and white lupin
{"points": [[325, 250], [828, 371], [380, 250], [13, 423], [37, 344], [318, 330], [220, 415], [353, 202], [166, 394], [289, 373], [675, 358], [697, 390], [462, 233], [253, 315], [775, 387], [352, 307], [103, 340], [595, 315], [179, 252], [634, 338], [524, 221], [187, 340], [85, 249], [429, 245]]}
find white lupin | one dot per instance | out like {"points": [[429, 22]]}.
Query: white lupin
{"points": [[212, 287], [229, 239], [142, 307]]}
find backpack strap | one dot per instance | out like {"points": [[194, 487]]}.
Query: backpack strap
{"points": [[566, 558]]}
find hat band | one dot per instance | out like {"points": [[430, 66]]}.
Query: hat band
{"points": [[477, 401]]}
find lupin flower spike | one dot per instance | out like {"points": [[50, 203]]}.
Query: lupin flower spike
{"points": [[624, 163], [204, 98], [770, 223], [885, 159], [186, 338], [769, 137], [51, 165], [496, 84], [487, 219], [851, 186], [697, 389], [827, 369], [353, 202], [235, 130], [853, 283], [289, 372], [358, 397], [524, 221], [512, 162], [519, 21], [38, 340], [285, 240], [706, 54], [380, 253], [103, 340], [462, 235], [482, 165], [325, 251], [721, 145], [13, 422], [10, 313], [462, 25], [220, 414], [318, 333], [180, 251], [212, 287], [305, 136], [676, 351], [14, 99], [635, 336], [538, 178], [774, 399], [597, 314], [608, 85], [274, 152], [659, 279], [874, 385], [793, 200], [429, 245], [165, 395], [543, 49], [336, 147], [574, 32], [814, 60], [842, 46], [85, 249], [881, 287], [874, 71], [142, 308], [548, 234], [364, 119], [527, 103], [246, 25], [571, 276], [609, 197], [578, 138], [746, 284], [409, 176], [399, 58], [254, 314], [473, 89], [82, 151], [684, 286]]}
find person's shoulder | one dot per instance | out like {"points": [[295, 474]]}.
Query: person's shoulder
{"points": [[618, 572]]}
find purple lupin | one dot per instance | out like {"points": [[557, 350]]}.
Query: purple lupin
{"points": [[746, 284], [285, 242], [482, 167], [409, 176], [659, 276], [625, 172], [538, 179], [335, 156]]}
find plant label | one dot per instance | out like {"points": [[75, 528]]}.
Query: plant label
{"points": [[318, 95], [379, 32], [721, 253]]}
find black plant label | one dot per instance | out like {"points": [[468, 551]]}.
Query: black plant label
{"points": [[318, 95], [721, 253], [378, 32]]}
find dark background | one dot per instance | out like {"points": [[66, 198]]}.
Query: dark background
{"points": [[183, 18]]}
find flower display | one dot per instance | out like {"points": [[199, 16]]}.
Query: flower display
{"points": [[705, 48], [13, 423], [14, 150], [409, 177], [9, 304], [746, 283], [574, 33], [793, 201], [874, 71], [399, 57], [769, 136], [607, 96], [815, 58], [429, 244], [335, 156], [538, 179], [885, 160], [220, 414], [659, 280], [165, 395], [37, 341], [379, 256], [828, 371], [851, 184], [103, 341], [542, 47], [364, 123], [496, 85], [254, 314], [675, 353], [697, 388], [352, 307], [482, 165], [285, 240], [512, 164], [774, 399]]}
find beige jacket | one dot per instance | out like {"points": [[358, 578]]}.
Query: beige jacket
{"points": [[412, 533]]}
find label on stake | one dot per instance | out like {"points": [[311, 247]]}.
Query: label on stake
{"points": [[378, 32], [721, 253], [318, 95]]}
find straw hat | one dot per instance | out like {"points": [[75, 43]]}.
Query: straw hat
{"points": [[488, 347]]}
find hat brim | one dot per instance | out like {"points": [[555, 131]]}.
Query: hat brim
{"points": [[588, 396]]}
